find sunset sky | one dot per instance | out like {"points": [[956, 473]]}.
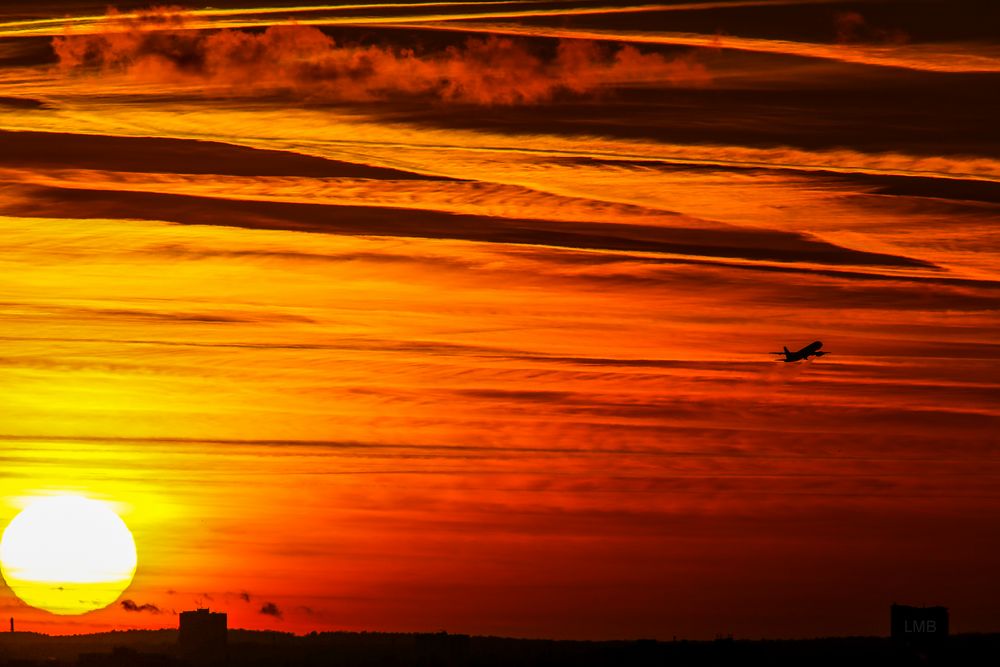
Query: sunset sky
{"points": [[416, 316]]}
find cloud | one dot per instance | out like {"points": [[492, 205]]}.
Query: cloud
{"points": [[853, 28], [756, 245], [271, 609], [156, 47], [132, 605], [886, 48]]}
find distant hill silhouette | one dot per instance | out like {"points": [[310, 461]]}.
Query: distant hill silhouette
{"points": [[158, 648]]}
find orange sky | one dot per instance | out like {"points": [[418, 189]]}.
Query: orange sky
{"points": [[454, 316]]}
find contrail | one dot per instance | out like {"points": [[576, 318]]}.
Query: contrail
{"points": [[203, 18], [929, 58]]}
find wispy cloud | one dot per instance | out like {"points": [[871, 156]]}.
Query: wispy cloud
{"points": [[271, 609], [930, 57], [374, 14], [133, 606]]}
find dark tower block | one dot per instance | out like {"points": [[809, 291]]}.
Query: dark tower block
{"points": [[202, 634], [919, 631]]}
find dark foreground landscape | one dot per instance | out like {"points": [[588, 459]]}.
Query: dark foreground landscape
{"points": [[159, 648]]}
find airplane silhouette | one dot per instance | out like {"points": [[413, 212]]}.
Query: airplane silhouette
{"points": [[810, 350]]}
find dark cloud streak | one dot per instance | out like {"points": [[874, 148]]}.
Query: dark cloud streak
{"points": [[758, 244], [133, 606], [271, 609]]}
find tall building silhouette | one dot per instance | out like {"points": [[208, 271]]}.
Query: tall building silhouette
{"points": [[921, 631], [202, 633]]}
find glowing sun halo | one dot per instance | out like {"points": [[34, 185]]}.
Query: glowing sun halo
{"points": [[67, 555]]}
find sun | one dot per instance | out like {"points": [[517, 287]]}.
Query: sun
{"points": [[67, 554]]}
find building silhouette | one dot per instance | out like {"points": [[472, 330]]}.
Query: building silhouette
{"points": [[202, 633], [919, 631]]}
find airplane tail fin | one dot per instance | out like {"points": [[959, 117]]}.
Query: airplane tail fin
{"points": [[787, 351]]}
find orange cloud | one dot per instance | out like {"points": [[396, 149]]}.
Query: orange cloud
{"points": [[158, 47], [853, 28]]}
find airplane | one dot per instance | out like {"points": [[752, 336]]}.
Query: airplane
{"points": [[810, 350]]}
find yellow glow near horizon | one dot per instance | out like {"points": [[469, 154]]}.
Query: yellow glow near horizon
{"points": [[67, 555]]}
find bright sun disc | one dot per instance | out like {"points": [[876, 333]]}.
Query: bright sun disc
{"points": [[67, 555]]}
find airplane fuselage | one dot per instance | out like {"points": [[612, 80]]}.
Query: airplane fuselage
{"points": [[810, 350]]}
